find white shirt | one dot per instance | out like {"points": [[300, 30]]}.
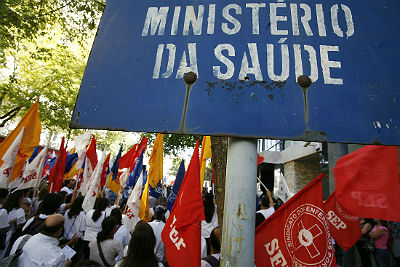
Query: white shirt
{"points": [[67, 190], [75, 225], [40, 250], [123, 237], [41, 216], [92, 227], [267, 212], [203, 252], [206, 227], [206, 264], [18, 214], [111, 248], [159, 249]]}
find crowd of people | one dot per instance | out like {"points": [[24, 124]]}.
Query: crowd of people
{"points": [[52, 229]]}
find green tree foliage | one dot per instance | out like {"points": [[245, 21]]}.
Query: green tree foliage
{"points": [[27, 19], [174, 143], [49, 70]]}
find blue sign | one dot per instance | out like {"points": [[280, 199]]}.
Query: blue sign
{"points": [[248, 56]]}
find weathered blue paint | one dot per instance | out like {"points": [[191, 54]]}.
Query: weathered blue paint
{"points": [[119, 89]]}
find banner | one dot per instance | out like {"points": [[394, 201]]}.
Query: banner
{"points": [[297, 234], [283, 191], [345, 229], [367, 183]]}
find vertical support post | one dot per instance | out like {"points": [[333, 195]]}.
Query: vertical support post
{"points": [[240, 203]]}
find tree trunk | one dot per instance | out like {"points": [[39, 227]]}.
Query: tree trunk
{"points": [[219, 147]]}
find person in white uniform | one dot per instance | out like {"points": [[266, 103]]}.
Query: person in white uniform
{"points": [[267, 205], [42, 249], [158, 226]]}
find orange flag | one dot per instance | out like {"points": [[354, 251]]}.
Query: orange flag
{"points": [[32, 128], [156, 162]]}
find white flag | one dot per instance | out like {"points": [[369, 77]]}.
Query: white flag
{"points": [[94, 187], [87, 174], [81, 142], [33, 171], [8, 161], [283, 190], [132, 212]]}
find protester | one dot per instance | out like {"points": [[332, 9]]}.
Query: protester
{"points": [[380, 235], [103, 248], [42, 249], [122, 234], [158, 226], [93, 220], [4, 226], [211, 221], [68, 186], [75, 222], [267, 205], [141, 248], [365, 245], [395, 230], [16, 217], [213, 260]]}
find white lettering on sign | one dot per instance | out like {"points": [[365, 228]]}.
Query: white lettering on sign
{"points": [[173, 235], [335, 220], [283, 60], [277, 258]]}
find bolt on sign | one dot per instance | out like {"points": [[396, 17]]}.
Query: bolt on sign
{"points": [[245, 60]]}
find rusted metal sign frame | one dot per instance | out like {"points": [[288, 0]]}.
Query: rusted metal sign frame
{"points": [[247, 56]]}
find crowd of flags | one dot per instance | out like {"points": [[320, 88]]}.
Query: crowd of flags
{"points": [[298, 233]]}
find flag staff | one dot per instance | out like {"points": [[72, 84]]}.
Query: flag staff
{"points": [[240, 206]]}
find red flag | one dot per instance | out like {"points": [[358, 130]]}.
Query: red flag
{"points": [[103, 176], [91, 153], [345, 229], [259, 159], [297, 234], [367, 183], [56, 175], [182, 231], [126, 160]]}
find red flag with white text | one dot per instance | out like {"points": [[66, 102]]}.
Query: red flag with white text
{"points": [[182, 231], [344, 228], [297, 234], [367, 183]]}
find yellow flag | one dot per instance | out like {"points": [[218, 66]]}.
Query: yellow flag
{"points": [[156, 162], [205, 154], [32, 128], [72, 172], [144, 204], [113, 185]]}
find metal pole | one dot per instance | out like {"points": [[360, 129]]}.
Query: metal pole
{"points": [[240, 203]]}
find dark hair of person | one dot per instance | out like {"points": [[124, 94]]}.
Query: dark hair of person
{"points": [[3, 193], [43, 193], [117, 214], [68, 199], [86, 263], [209, 207], [214, 240], [63, 194], [50, 204], [76, 207], [101, 205], [141, 247], [12, 202], [51, 230], [265, 201], [162, 201], [259, 219], [107, 228]]}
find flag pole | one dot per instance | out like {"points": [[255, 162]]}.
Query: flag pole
{"points": [[77, 180]]}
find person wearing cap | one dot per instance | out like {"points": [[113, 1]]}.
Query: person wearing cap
{"points": [[158, 225]]}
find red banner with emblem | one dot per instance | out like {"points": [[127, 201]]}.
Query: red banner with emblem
{"points": [[344, 228], [297, 234]]}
